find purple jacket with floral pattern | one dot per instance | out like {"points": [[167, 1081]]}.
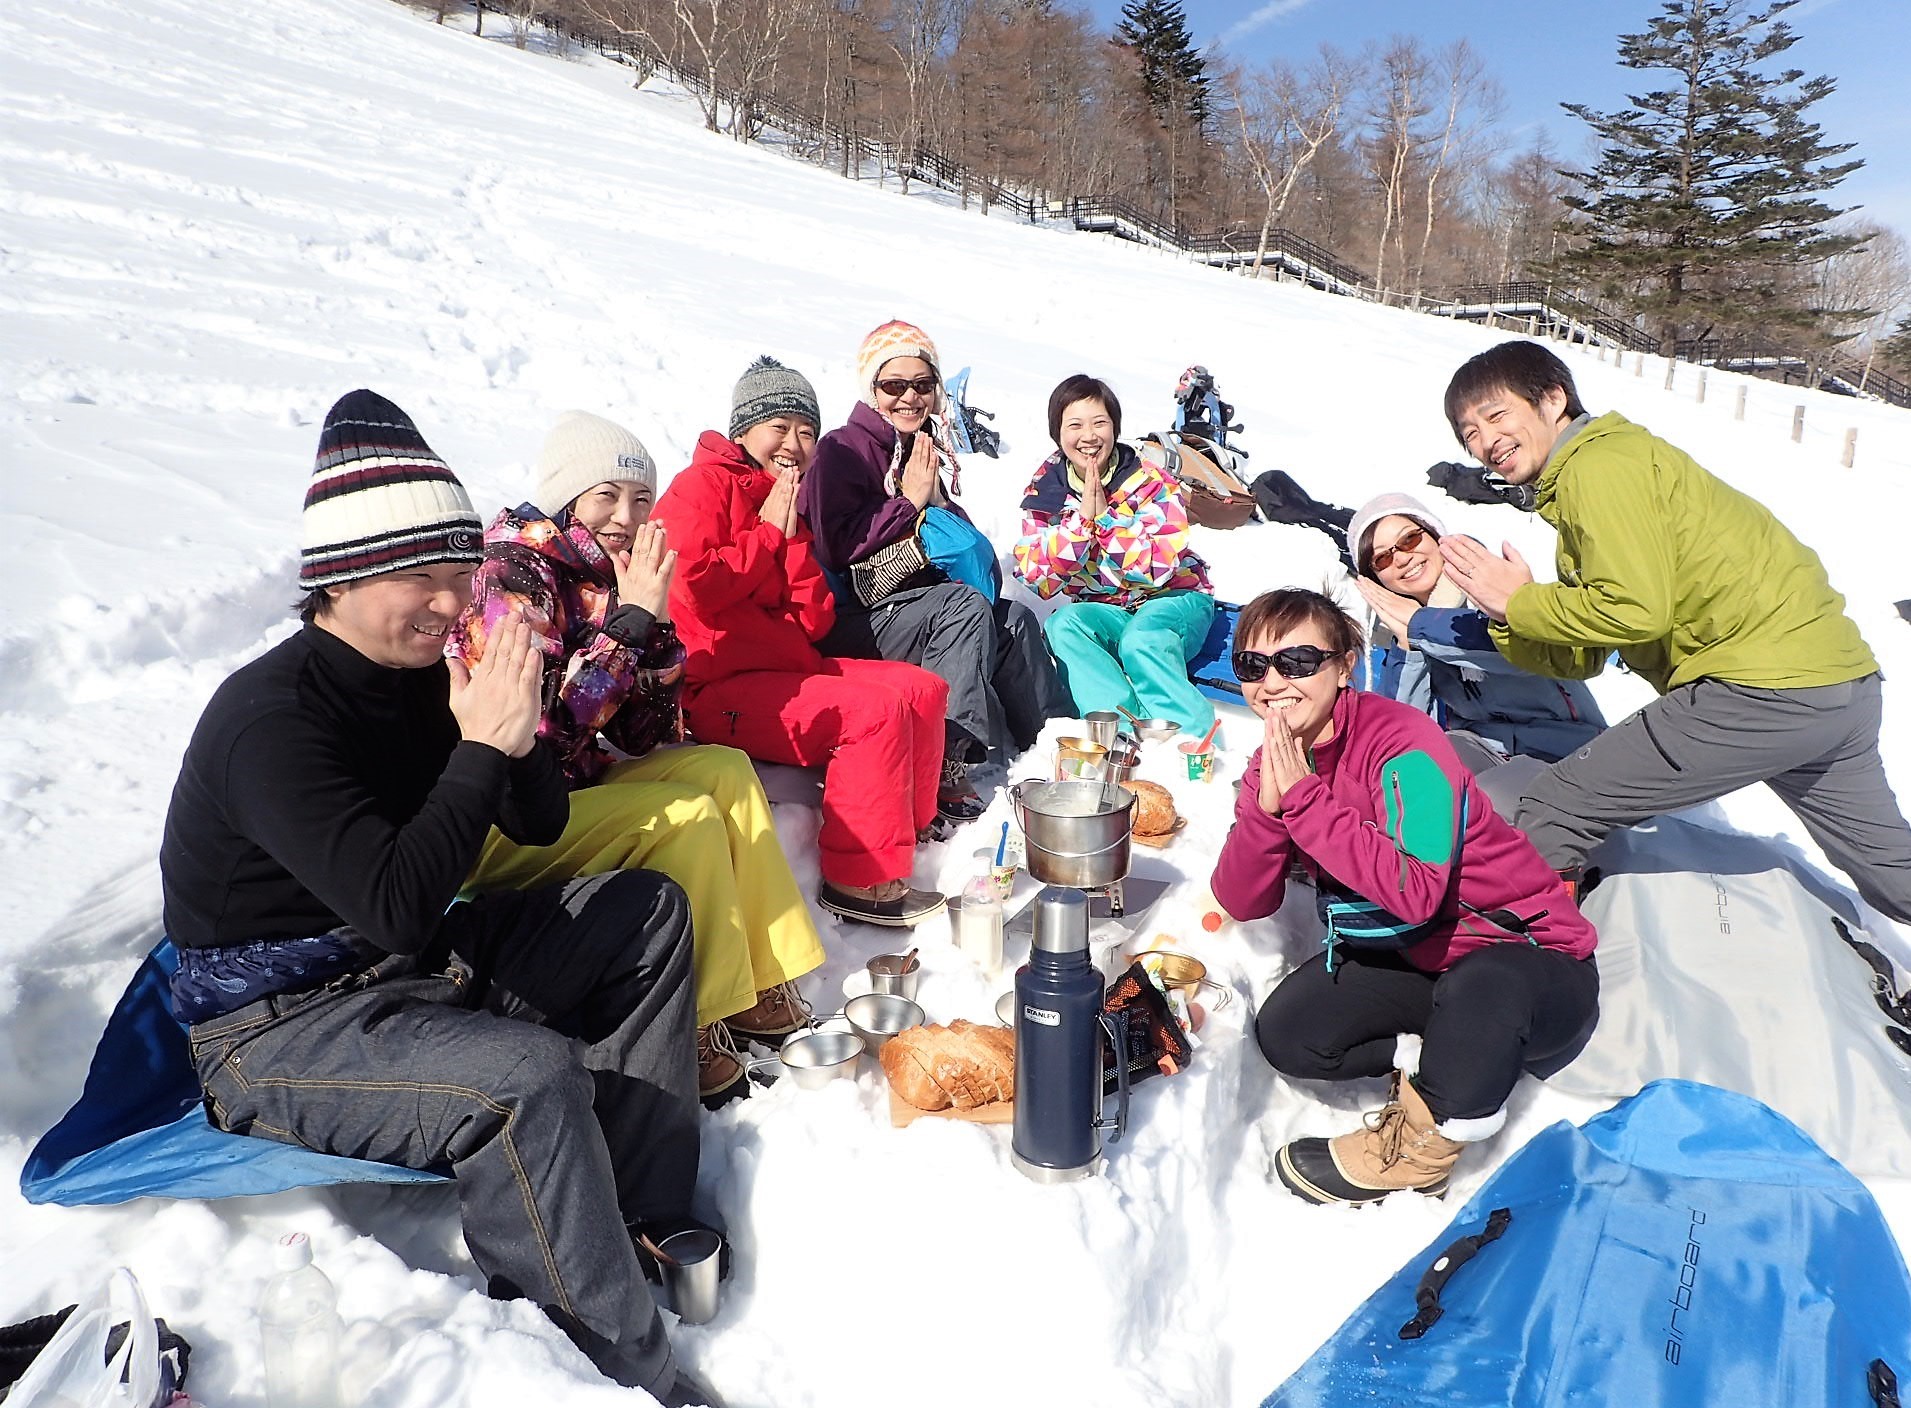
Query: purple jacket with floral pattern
{"points": [[608, 669]]}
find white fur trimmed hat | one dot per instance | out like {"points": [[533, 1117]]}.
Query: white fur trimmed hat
{"points": [[380, 500], [583, 451]]}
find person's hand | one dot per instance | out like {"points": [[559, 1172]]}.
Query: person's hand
{"points": [[644, 573], [1394, 610], [1489, 579], [1283, 761], [1094, 498], [496, 701], [919, 474], [779, 509]]}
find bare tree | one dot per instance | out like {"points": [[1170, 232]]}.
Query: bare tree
{"points": [[1285, 116], [1472, 109], [1395, 110]]}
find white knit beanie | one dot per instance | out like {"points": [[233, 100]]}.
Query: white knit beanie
{"points": [[1387, 506], [583, 451]]}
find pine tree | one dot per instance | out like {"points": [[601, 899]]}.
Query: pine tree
{"points": [[1704, 201], [1896, 349], [1173, 73]]}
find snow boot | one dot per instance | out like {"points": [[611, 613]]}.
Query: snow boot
{"points": [[956, 800], [896, 905], [1398, 1146], [779, 1010], [720, 1070]]}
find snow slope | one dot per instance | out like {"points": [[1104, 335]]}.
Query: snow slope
{"points": [[216, 219]]}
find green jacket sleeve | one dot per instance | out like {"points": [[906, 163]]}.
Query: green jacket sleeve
{"points": [[1615, 531]]}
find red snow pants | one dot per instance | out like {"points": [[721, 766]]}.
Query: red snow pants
{"points": [[876, 728]]}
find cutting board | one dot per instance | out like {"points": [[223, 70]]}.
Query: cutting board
{"points": [[901, 1112]]}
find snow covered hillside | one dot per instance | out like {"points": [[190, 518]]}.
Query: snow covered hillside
{"points": [[215, 219]]}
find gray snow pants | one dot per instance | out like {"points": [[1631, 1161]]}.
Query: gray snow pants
{"points": [[1002, 681], [544, 1048], [1818, 748]]}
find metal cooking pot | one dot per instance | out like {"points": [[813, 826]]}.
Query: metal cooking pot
{"points": [[1078, 832]]}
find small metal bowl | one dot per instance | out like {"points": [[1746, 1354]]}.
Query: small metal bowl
{"points": [[814, 1059], [1177, 970], [1005, 1008], [1154, 730], [877, 1016]]}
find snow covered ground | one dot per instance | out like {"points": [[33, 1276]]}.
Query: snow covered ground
{"points": [[216, 219]]}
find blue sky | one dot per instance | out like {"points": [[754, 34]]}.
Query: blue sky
{"points": [[1544, 54]]}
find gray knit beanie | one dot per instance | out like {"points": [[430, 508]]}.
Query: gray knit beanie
{"points": [[768, 390]]}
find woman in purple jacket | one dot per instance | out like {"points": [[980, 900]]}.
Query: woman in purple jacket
{"points": [[1454, 958], [880, 480]]}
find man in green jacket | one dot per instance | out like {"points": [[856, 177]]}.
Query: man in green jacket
{"points": [[1762, 675]]}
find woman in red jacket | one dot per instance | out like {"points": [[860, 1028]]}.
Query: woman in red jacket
{"points": [[1455, 959], [750, 603]]}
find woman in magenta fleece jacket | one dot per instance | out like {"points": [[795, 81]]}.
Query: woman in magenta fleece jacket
{"points": [[1455, 958]]}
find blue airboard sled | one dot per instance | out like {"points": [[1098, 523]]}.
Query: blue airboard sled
{"points": [[1688, 1247], [140, 1128]]}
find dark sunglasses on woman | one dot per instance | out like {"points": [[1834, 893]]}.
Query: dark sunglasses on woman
{"points": [[1297, 662], [896, 385]]}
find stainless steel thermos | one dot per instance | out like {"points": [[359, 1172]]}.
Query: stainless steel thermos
{"points": [[1059, 1024]]}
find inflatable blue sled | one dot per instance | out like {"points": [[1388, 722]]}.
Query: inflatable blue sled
{"points": [[1689, 1248], [140, 1127]]}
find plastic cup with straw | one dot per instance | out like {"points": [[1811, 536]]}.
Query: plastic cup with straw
{"points": [[1200, 755]]}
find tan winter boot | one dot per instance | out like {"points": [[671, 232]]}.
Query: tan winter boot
{"points": [[720, 1072], [780, 1009], [1398, 1146]]}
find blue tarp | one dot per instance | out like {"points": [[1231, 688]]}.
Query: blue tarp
{"points": [[140, 1128], [1690, 1247]]}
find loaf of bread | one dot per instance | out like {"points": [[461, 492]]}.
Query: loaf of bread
{"points": [[962, 1064], [1154, 808]]}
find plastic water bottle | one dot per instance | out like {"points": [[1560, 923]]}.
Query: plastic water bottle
{"points": [[979, 924], [299, 1328]]}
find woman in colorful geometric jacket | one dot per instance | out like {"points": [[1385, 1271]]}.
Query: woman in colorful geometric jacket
{"points": [[594, 577], [1444, 661], [751, 603], [1455, 959], [877, 487], [1110, 532]]}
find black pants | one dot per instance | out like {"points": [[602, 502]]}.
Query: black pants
{"points": [[544, 1050], [1002, 681], [1499, 1011]]}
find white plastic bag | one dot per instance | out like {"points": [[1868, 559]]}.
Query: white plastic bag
{"points": [[73, 1370]]}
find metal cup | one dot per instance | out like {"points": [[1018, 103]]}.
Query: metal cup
{"points": [[1102, 726], [1122, 765], [690, 1276], [886, 975]]}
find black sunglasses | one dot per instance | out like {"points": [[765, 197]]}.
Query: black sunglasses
{"points": [[896, 385], [1297, 662]]}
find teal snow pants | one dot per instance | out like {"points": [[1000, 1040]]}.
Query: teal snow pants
{"points": [[1109, 656]]}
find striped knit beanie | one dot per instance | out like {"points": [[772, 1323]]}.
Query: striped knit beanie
{"points": [[894, 339], [768, 390], [380, 500], [583, 451]]}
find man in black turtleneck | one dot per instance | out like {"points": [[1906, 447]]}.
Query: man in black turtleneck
{"points": [[328, 810]]}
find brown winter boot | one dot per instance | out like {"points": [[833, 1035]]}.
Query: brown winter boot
{"points": [[779, 1010], [720, 1073], [1397, 1146]]}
